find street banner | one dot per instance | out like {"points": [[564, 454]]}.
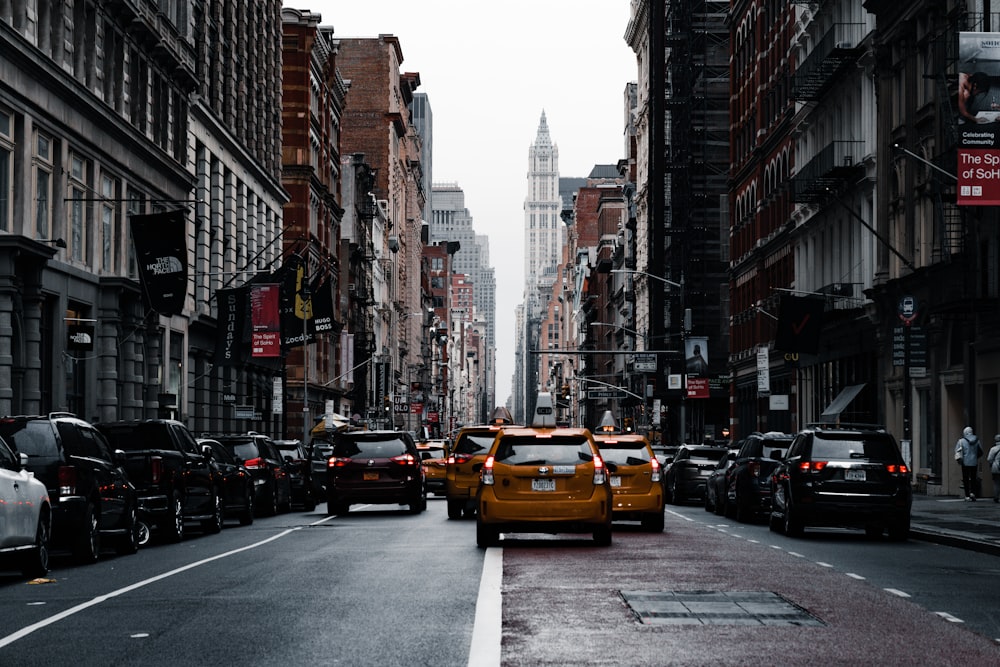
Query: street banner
{"points": [[978, 115], [295, 311], [160, 241], [229, 345], [265, 320], [322, 306], [80, 337], [800, 322]]}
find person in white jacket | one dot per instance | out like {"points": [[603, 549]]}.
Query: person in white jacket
{"points": [[993, 458], [968, 451]]}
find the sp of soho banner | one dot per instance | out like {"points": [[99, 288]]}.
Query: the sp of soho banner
{"points": [[160, 241], [978, 115], [265, 320]]}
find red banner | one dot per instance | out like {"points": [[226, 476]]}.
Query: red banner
{"points": [[697, 387], [265, 321]]}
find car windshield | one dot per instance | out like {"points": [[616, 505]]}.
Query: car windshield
{"points": [[708, 454], [471, 443], [529, 450], [380, 448], [880, 449], [769, 451], [221, 453], [33, 438], [625, 453], [289, 451], [243, 450]]}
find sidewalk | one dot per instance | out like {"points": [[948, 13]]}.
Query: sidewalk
{"points": [[954, 521]]}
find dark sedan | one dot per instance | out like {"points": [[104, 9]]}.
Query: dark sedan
{"points": [[233, 480], [718, 482], [749, 490], [689, 471]]}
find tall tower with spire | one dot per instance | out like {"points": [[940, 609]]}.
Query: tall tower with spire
{"points": [[542, 206]]}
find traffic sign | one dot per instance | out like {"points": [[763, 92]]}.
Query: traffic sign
{"points": [[605, 393]]}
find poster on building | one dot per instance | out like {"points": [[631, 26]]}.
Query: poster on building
{"points": [[979, 119], [696, 355], [160, 241], [265, 321]]}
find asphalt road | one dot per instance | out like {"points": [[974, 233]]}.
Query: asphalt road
{"points": [[382, 587]]}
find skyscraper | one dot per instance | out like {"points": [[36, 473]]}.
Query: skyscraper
{"points": [[542, 226]]}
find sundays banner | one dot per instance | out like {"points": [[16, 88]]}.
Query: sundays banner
{"points": [[160, 241], [229, 345]]}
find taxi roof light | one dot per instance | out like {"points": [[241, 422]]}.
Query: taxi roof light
{"points": [[545, 416]]}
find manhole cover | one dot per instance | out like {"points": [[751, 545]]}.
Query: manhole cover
{"points": [[716, 608]]}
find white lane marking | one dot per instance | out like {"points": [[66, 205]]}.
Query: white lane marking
{"points": [[822, 564], [139, 635], [896, 591], [754, 541], [487, 630], [776, 546], [681, 516], [855, 576], [948, 617], [796, 554], [25, 631]]}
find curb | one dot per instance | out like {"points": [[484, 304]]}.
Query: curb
{"points": [[955, 541]]}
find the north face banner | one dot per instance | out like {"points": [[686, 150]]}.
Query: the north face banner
{"points": [[160, 241]]}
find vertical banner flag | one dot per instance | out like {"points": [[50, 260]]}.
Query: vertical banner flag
{"points": [[978, 115], [800, 322], [322, 306], [265, 320], [160, 241], [229, 345], [293, 308]]}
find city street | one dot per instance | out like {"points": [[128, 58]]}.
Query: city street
{"points": [[383, 587]]}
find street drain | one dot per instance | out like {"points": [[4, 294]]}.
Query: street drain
{"points": [[716, 608]]}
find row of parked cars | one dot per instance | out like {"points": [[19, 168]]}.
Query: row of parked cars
{"points": [[828, 474], [66, 483]]}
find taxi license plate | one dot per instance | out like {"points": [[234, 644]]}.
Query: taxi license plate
{"points": [[370, 476], [616, 481], [543, 485], [854, 475]]}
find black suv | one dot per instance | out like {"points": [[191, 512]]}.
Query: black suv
{"points": [[748, 482], [849, 475], [91, 495], [299, 472], [381, 467], [261, 457]]}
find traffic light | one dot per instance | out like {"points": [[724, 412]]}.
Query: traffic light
{"points": [[628, 424], [387, 403], [564, 392]]}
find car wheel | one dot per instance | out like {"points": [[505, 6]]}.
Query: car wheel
{"points": [[774, 522], [129, 542], [602, 536], [455, 509], [486, 536], [675, 495], [309, 502], [709, 505], [653, 522], [246, 516], [743, 514], [35, 562], [143, 532], [720, 504], [794, 526], [214, 524], [899, 529], [873, 531], [87, 545], [421, 503], [173, 530], [270, 505]]}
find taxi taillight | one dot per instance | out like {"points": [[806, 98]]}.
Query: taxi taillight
{"points": [[459, 459], [486, 476], [599, 475], [655, 463]]}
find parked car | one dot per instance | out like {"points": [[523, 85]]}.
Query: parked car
{"points": [[434, 459], [544, 479], [379, 467], [842, 475], [718, 482], [299, 472], [636, 481], [319, 453], [665, 454], [466, 460], [90, 492], [689, 471], [233, 480], [259, 455], [748, 494], [25, 515], [173, 478]]}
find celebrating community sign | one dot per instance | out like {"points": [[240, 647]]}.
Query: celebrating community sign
{"points": [[979, 118]]}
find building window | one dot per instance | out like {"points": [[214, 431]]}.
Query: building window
{"points": [[78, 223], [175, 371], [110, 223], [42, 161], [6, 169]]}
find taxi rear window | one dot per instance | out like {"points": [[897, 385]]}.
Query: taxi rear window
{"points": [[558, 450], [625, 453], [474, 444]]}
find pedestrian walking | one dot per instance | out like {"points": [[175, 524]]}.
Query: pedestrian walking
{"points": [[993, 458], [968, 451]]}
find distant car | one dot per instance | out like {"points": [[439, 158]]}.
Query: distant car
{"points": [[319, 453], [466, 460], [544, 479], [299, 472], [379, 467], [718, 482], [90, 493], [749, 491], [689, 471], [25, 515], [665, 454], [258, 453], [434, 459], [234, 481], [842, 475]]}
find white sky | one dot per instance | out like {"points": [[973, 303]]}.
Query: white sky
{"points": [[489, 70]]}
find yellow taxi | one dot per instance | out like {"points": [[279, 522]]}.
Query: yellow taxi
{"points": [[543, 479], [466, 460], [434, 461], [635, 475]]}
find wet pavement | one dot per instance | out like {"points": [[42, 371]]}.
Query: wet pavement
{"points": [[957, 522]]}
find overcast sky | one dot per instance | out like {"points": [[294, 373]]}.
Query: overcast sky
{"points": [[489, 70]]}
